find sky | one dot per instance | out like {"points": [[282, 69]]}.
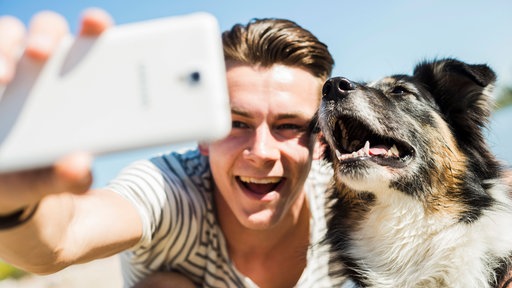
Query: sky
{"points": [[368, 39]]}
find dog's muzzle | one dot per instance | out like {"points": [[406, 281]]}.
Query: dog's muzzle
{"points": [[337, 87]]}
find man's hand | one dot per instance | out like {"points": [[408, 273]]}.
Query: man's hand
{"points": [[38, 41], [69, 223], [45, 31]]}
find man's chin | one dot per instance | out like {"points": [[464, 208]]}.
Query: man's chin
{"points": [[261, 220]]}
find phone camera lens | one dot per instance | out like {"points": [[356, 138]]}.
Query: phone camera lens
{"points": [[195, 77]]}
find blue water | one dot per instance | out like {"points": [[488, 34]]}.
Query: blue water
{"points": [[107, 167]]}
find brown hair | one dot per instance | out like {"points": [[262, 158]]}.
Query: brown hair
{"points": [[270, 41]]}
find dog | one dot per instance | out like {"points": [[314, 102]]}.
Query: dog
{"points": [[417, 197]]}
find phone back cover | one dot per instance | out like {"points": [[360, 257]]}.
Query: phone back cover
{"points": [[137, 85]]}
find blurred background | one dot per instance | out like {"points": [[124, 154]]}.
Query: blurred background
{"points": [[368, 39]]}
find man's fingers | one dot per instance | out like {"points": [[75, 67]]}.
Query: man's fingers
{"points": [[12, 38], [45, 32], [73, 173], [94, 22]]}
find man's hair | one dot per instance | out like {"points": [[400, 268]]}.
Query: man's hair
{"points": [[270, 41]]}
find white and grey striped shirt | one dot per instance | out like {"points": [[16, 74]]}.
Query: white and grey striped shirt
{"points": [[173, 194]]}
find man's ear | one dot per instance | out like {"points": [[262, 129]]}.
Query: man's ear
{"points": [[204, 148], [319, 148]]}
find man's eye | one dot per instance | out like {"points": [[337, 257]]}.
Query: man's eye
{"points": [[289, 127], [289, 131], [238, 124]]}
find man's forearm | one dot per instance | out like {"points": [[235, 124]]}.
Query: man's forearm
{"points": [[36, 245], [70, 229]]}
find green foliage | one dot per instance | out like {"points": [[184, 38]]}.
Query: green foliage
{"points": [[9, 271], [504, 98]]}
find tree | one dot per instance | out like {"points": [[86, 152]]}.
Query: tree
{"points": [[504, 98]]}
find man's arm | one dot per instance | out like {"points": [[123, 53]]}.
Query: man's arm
{"points": [[70, 224], [68, 229]]}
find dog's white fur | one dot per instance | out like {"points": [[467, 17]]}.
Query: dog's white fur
{"points": [[448, 251]]}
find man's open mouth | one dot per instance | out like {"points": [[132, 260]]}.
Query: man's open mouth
{"points": [[260, 185], [356, 141]]}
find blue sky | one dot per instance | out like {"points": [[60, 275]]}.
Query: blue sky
{"points": [[368, 39]]}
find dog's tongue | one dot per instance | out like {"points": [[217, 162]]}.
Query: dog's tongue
{"points": [[378, 150]]}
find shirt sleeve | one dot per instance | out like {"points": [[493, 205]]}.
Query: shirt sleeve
{"points": [[142, 184]]}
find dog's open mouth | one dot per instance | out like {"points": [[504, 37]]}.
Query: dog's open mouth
{"points": [[356, 141]]}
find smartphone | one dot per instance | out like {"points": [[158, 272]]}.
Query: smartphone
{"points": [[137, 85]]}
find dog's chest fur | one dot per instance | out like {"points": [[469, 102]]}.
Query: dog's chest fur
{"points": [[399, 246]]}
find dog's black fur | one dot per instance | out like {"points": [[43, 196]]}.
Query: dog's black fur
{"points": [[427, 170]]}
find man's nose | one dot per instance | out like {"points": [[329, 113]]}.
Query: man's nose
{"points": [[263, 146]]}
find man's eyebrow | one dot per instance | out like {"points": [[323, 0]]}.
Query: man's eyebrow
{"points": [[289, 115], [293, 115], [239, 112]]}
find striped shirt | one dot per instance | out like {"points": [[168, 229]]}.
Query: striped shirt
{"points": [[173, 194]]}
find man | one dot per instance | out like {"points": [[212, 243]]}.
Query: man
{"points": [[243, 211]]}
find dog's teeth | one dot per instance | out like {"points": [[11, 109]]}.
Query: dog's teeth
{"points": [[338, 155], [366, 147], [354, 154], [394, 151]]}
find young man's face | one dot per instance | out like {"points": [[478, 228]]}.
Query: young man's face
{"points": [[260, 168]]}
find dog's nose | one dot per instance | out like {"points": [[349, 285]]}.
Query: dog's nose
{"points": [[338, 86]]}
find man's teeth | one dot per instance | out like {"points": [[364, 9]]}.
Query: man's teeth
{"points": [[365, 151], [268, 180]]}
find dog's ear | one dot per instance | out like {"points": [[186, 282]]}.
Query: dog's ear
{"points": [[462, 92], [463, 95]]}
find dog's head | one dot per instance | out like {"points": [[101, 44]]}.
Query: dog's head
{"points": [[413, 133]]}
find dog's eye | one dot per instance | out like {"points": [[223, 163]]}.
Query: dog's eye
{"points": [[399, 90]]}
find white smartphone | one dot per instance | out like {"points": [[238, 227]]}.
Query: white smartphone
{"points": [[137, 85]]}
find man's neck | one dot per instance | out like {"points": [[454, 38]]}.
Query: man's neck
{"points": [[263, 254]]}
